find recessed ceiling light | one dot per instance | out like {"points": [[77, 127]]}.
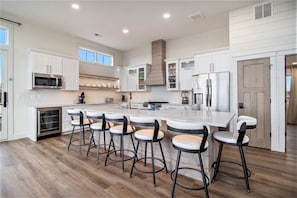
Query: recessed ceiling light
{"points": [[125, 31], [294, 63], [75, 6], [166, 15]]}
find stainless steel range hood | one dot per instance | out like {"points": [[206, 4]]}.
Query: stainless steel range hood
{"points": [[157, 75]]}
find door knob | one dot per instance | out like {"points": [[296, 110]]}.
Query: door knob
{"points": [[240, 105]]}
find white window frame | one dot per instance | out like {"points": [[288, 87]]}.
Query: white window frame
{"points": [[95, 58]]}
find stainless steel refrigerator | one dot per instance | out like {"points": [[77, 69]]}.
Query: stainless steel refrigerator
{"points": [[211, 91]]}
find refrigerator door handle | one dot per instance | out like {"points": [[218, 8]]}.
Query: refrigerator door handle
{"points": [[206, 101], [210, 92]]}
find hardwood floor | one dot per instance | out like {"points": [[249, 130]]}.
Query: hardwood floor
{"points": [[46, 169]]}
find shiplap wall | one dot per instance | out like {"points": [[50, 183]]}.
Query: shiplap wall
{"points": [[272, 37], [275, 33]]}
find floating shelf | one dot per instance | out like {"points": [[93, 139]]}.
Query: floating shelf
{"points": [[98, 77]]}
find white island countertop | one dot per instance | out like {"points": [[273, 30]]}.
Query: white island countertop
{"points": [[212, 118]]}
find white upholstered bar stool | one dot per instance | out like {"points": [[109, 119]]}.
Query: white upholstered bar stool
{"points": [[98, 124], [120, 129], [78, 120], [239, 140], [193, 140], [149, 133]]}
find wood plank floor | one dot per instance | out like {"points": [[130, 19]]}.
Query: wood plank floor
{"points": [[46, 169]]}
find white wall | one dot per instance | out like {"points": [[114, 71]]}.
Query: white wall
{"points": [[272, 37], [177, 48], [32, 36], [275, 33]]}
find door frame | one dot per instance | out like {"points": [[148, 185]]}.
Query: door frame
{"points": [[277, 96], [10, 95]]}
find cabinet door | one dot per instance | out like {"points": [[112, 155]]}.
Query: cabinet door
{"points": [[141, 75], [172, 81], [55, 64], [71, 74], [123, 79], [39, 62], [45, 63], [221, 61], [185, 79], [132, 79], [203, 63]]}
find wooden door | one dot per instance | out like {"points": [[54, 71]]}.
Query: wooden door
{"points": [[254, 98]]}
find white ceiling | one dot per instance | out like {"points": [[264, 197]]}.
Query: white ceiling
{"points": [[108, 18]]}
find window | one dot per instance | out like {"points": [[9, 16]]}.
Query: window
{"points": [[3, 36], [95, 57], [288, 85], [263, 10]]}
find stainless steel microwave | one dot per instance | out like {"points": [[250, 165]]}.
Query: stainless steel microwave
{"points": [[48, 81]]}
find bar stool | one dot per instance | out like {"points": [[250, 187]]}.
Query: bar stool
{"points": [[121, 130], [235, 139], [147, 135], [98, 124], [194, 141], [78, 120]]}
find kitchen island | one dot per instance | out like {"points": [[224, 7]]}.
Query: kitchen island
{"points": [[213, 119]]}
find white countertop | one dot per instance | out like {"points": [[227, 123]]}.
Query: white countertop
{"points": [[212, 118]]}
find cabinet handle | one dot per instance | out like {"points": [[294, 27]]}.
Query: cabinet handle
{"points": [[38, 122]]}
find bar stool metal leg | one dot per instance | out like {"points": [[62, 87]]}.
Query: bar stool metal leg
{"points": [[203, 175], [134, 160], [218, 162], [175, 173], [71, 138], [163, 157], [245, 170], [153, 164]]}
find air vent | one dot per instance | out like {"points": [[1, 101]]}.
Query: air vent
{"points": [[197, 15], [263, 10]]}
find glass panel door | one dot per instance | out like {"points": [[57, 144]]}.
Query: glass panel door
{"points": [[3, 94]]}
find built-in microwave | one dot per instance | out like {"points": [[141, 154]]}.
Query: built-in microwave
{"points": [[48, 81]]}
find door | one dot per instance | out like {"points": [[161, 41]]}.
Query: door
{"points": [[254, 98], [219, 91], [3, 95]]}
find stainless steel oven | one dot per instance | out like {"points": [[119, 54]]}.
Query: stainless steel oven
{"points": [[49, 121]]}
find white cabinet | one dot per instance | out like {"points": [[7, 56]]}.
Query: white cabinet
{"points": [[70, 74], [132, 79], [172, 74], [186, 70], [45, 63], [121, 74], [136, 77], [215, 61]]}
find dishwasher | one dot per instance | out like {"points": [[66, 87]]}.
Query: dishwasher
{"points": [[49, 122]]}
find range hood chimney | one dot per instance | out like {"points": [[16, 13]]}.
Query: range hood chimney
{"points": [[157, 74]]}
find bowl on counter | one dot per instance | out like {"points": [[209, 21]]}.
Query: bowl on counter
{"points": [[109, 100]]}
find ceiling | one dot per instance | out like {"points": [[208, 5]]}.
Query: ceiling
{"points": [[107, 18]]}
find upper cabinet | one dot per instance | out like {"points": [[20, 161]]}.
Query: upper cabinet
{"points": [[172, 74], [53, 64], [186, 70], [179, 73], [45, 63], [70, 74], [212, 61], [136, 77]]}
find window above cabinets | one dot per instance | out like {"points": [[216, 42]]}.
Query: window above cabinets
{"points": [[3, 36], [92, 56]]}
